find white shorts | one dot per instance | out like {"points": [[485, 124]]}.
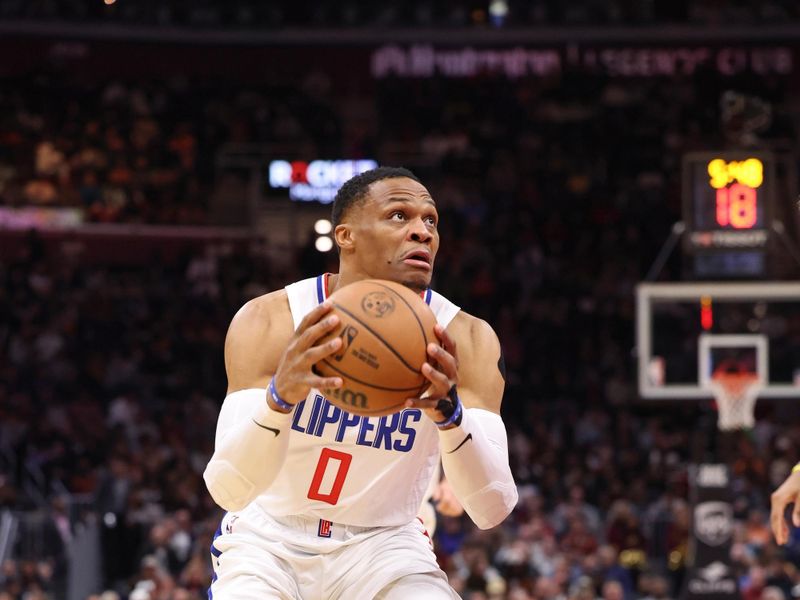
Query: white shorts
{"points": [[257, 556]]}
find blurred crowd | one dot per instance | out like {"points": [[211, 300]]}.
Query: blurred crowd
{"points": [[555, 196], [144, 151], [135, 152], [250, 14]]}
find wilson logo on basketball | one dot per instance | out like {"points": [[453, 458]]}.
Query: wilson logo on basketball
{"points": [[349, 397], [348, 334], [377, 304]]}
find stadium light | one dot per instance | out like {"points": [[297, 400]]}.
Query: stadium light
{"points": [[323, 227], [498, 11], [323, 243]]}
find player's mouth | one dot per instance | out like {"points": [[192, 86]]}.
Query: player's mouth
{"points": [[420, 259]]}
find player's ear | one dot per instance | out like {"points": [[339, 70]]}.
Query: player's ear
{"points": [[343, 234]]}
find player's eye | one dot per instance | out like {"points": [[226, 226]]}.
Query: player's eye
{"points": [[431, 221], [397, 216]]}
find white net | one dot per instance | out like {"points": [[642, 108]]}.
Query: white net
{"points": [[736, 395]]}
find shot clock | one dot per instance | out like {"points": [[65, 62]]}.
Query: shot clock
{"points": [[728, 206]]}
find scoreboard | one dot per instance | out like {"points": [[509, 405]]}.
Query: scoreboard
{"points": [[728, 208]]}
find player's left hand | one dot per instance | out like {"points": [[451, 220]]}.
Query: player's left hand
{"points": [[442, 372]]}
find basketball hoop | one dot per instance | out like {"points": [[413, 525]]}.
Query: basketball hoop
{"points": [[736, 393]]}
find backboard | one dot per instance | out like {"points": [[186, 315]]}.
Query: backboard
{"points": [[686, 331]]}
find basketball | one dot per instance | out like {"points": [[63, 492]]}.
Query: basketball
{"points": [[385, 328]]}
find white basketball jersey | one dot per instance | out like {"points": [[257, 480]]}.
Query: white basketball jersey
{"points": [[366, 471]]}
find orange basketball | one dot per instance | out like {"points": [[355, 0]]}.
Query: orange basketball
{"points": [[385, 329]]}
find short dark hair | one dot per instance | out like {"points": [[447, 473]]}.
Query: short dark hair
{"points": [[355, 189]]}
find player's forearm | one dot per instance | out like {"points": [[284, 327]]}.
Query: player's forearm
{"points": [[475, 460], [249, 451]]}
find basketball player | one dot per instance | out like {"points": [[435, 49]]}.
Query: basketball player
{"points": [[788, 493], [322, 503]]}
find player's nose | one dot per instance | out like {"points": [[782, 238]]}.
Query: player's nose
{"points": [[418, 231]]}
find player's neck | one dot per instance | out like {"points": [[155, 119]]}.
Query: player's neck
{"points": [[345, 277], [348, 273], [333, 283], [348, 276]]}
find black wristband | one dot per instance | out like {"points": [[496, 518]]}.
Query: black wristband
{"points": [[450, 408]]}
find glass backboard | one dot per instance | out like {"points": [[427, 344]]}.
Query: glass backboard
{"points": [[687, 331]]}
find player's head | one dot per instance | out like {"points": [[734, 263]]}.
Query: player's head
{"points": [[385, 225]]}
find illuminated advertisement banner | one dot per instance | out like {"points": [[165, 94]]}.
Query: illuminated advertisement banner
{"points": [[317, 180], [423, 60], [34, 217]]}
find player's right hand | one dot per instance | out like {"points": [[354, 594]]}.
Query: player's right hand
{"points": [[788, 493], [294, 376], [441, 377]]}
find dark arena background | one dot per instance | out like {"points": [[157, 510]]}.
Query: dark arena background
{"points": [[617, 183]]}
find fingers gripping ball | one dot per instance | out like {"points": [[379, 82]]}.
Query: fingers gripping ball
{"points": [[385, 328]]}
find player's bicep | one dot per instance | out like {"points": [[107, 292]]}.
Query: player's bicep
{"points": [[480, 370], [241, 343], [254, 343]]}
